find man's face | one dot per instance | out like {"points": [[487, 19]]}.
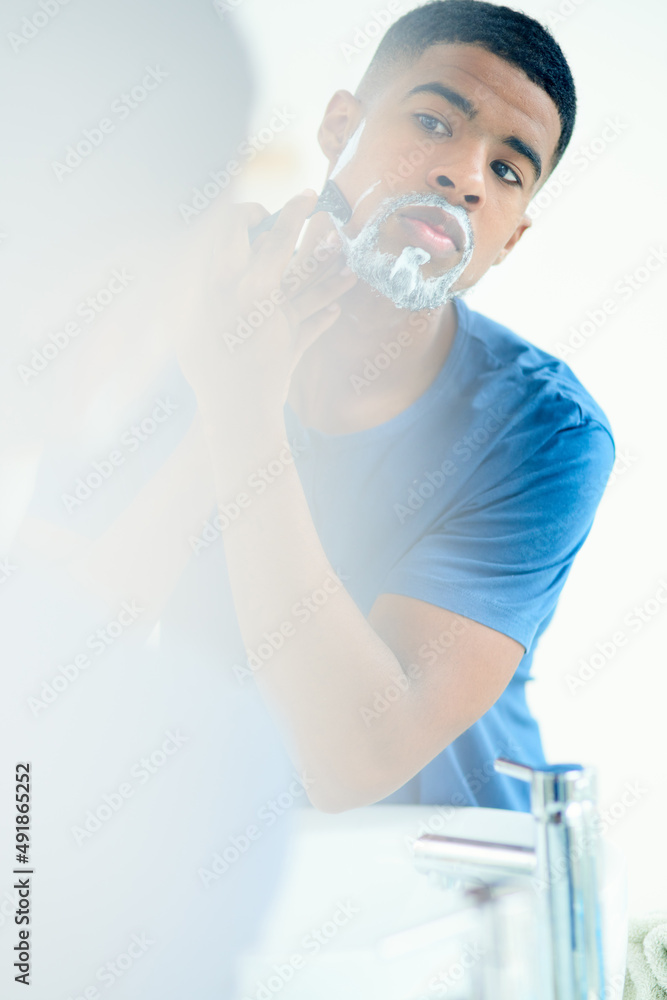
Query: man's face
{"points": [[440, 171]]}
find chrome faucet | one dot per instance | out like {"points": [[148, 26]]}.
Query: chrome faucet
{"points": [[563, 868]]}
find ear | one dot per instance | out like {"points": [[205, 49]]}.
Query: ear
{"points": [[525, 223], [341, 118]]}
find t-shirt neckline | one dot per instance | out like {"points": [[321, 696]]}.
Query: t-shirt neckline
{"points": [[416, 408]]}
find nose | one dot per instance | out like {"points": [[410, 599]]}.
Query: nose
{"points": [[458, 173]]}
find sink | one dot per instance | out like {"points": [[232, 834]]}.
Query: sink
{"points": [[350, 891]]}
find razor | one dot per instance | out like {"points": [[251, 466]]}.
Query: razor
{"points": [[331, 200]]}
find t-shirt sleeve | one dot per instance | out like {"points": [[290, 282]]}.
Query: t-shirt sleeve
{"points": [[503, 557]]}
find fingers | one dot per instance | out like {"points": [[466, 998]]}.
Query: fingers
{"points": [[272, 255], [318, 296], [307, 270], [311, 272], [232, 243], [274, 248], [315, 326], [249, 214], [270, 262], [318, 229]]}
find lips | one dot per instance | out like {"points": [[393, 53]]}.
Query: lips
{"points": [[435, 227]]}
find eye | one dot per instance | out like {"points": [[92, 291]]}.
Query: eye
{"points": [[430, 124], [505, 167]]}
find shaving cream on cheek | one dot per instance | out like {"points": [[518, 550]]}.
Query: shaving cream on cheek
{"points": [[364, 195], [349, 151]]}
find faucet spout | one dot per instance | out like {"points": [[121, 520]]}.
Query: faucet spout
{"points": [[563, 869], [473, 860]]}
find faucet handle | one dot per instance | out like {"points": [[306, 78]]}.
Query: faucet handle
{"points": [[552, 784], [513, 769], [525, 773]]}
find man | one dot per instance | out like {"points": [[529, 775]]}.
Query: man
{"points": [[391, 578]]}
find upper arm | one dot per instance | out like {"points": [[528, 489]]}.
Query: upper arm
{"points": [[458, 667], [463, 605]]}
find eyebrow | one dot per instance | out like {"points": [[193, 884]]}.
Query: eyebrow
{"points": [[470, 111]]}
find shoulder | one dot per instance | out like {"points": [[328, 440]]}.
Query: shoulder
{"points": [[539, 387]]}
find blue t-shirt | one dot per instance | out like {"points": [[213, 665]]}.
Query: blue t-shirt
{"points": [[475, 498]]}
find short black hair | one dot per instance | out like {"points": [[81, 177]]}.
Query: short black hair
{"points": [[510, 34]]}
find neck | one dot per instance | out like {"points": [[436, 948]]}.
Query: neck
{"points": [[335, 383]]}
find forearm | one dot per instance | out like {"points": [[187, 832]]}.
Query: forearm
{"points": [[315, 656]]}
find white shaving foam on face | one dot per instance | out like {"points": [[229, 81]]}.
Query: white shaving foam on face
{"points": [[364, 195], [410, 258], [349, 151], [399, 278], [409, 262]]}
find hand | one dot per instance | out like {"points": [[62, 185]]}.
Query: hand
{"points": [[257, 316]]}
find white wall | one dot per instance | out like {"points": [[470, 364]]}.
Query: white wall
{"points": [[602, 225]]}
